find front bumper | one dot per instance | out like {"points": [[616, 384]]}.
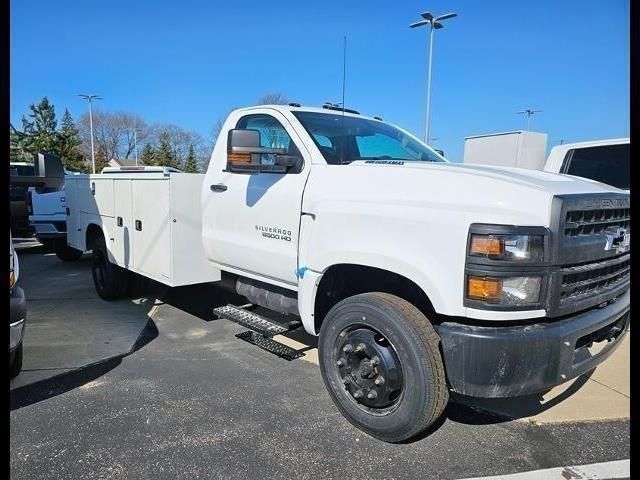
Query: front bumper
{"points": [[17, 318], [520, 360]]}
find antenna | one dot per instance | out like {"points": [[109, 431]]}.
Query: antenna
{"points": [[528, 112], [344, 81]]}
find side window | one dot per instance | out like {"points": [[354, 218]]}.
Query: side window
{"points": [[272, 133]]}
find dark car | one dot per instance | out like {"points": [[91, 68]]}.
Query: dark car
{"points": [[17, 316]]}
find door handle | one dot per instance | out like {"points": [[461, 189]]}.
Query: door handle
{"points": [[119, 221], [67, 211], [219, 187], [139, 225]]}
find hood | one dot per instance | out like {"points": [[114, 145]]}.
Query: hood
{"points": [[554, 183], [463, 194]]}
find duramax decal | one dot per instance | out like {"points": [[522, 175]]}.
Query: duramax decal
{"points": [[385, 162], [275, 233]]}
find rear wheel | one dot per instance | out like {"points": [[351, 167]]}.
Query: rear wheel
{"points": [[64, 252], [381, 363], [109, 279]]}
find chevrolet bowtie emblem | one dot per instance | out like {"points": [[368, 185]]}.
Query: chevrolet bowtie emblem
{"points": [[617, 239]]}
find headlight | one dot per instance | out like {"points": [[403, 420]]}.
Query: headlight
{"points": [[509, 247], [515, 291], [506, 267]]}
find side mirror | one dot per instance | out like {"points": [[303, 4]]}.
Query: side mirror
{"points": [[440, 152], [245, 155]]}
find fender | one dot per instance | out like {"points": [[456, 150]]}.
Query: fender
{"points": [[316, 256], [307, 289]]}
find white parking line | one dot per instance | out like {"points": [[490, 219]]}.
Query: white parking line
{"points": [[594, 471]]}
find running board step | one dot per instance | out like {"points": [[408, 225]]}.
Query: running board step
{"points": [[270, 345], [255, 322]]}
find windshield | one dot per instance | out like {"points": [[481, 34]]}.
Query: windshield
{"points": [[344, 139]]}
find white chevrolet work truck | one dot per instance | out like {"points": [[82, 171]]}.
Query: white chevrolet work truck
{"points": [[420, 276]]}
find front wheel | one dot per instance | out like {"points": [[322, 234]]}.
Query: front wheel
{"points": [[109, 279], [381, 364]]}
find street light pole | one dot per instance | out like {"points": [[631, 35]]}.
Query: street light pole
{"points": [[428, 112], [90, 98], [135, 144], [434, 24]]}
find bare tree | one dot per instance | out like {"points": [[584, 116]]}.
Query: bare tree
{"points": [[273, 98], [217, 127], [114, 137], [113, 133], [136, 132], [179, 140]]}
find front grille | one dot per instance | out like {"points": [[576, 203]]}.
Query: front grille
{"points": [[594, 278], [590, 222], [590, 263]]}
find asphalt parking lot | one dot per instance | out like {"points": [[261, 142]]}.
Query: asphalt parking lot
{"points": [[155, 387]]}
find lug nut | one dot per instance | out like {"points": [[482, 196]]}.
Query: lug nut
{"points": [[372, 395], [374, 361], [358, 394], [340, 362], [361, 348], [346, 380], [348, 348], [379, 380]]}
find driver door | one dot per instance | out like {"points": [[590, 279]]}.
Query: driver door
{"points": [[255, 218]]}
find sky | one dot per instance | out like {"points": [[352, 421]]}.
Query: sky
{"points": [[189, 62]]}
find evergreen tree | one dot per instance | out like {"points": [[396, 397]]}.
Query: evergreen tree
{"points": [[190, 164], [164, 154], [39, 128], [101, 159], [148, 155], [17, 146], [69, 138]]}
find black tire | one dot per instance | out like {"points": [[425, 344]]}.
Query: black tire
{"points": [[403, 329], [16, 364], [64, 252], [109, 279]]}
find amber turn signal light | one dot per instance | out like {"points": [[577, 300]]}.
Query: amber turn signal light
{"points": [[486, 245], [239, 157], [485, 289]]}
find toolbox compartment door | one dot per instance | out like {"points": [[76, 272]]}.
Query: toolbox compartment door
{"points": [[151, 228]]}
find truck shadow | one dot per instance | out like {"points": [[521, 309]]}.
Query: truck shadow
{"points": [[521, 407], [199, 301], [38, 391]]}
